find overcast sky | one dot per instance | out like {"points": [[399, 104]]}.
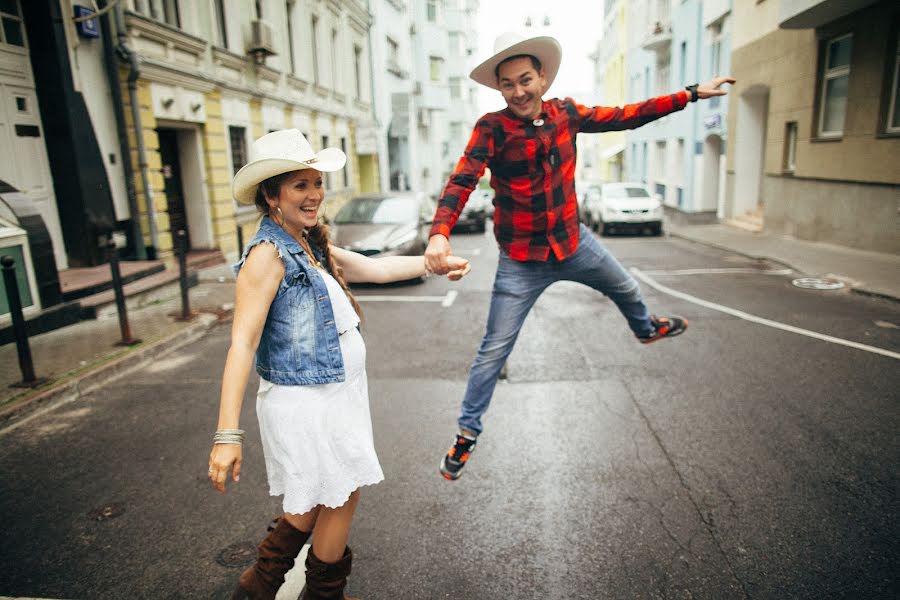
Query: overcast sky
{"points": [[576, 24]]}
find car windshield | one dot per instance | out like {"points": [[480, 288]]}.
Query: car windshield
{"points": [[377, 210], [626, 192]]}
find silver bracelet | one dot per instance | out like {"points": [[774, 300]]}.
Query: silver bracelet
{"points": [[229, 436]]}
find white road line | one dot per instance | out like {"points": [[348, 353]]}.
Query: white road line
{"points": [[754, 319], [446, 300], [721, 271], [295, 579]]}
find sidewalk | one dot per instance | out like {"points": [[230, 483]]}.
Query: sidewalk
{"points": [[80, 357], [872, 273]]}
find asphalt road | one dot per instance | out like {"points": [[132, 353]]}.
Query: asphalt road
{"points": [[736, 461]]}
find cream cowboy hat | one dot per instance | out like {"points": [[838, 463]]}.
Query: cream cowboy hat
{"points": [[280, 152], [545, 48]]}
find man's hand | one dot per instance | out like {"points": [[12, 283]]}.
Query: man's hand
{"points": [[711, 88], [436, 254]]}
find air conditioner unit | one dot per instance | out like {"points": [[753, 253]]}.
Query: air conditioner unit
{"points": [[260, 41]]}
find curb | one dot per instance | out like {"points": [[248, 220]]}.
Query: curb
{"points": [[862, 290], [81, 383]]}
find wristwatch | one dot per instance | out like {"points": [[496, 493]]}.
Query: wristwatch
{"points": [[693, 90]]}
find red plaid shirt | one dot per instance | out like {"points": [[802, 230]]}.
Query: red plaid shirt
{"points": [[533, 171]]}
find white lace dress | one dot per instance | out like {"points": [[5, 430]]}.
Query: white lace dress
{"points": [[317, 439]]}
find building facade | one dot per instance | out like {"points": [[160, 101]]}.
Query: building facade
{"points": [[817, 120], [681, 155]]}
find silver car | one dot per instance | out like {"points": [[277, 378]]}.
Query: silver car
{"points": [[625, 206], [389, 224]]}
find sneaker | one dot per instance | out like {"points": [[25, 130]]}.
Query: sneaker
{"points": [[664, 327], [456, 457]]}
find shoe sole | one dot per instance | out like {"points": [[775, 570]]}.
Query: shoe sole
{"points": [[447, 474], [668, 335]]}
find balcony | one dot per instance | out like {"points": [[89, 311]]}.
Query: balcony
{"points": [[808, 14], [659, 37]]}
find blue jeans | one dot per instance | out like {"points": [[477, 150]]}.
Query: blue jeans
{"points": [[517, 287]]}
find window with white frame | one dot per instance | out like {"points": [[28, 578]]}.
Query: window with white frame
{"points": [[789, 161], [335, 57], [715, 49], [237, 136], [161, 10], [290, 34], [13, 31], [315, 48], [221, 28], [436, 65], [456, 87], [431, 10], [892, 124], [357, 71], [835, 84], [662, 74]]}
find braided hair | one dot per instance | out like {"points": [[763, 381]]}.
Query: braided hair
{"points": [[318, 235]]}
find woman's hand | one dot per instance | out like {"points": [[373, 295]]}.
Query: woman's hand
{"points": [[458, 268], [711, 88], [221, 459]]}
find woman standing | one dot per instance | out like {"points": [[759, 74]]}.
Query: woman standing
{"points": [[294, 311]]}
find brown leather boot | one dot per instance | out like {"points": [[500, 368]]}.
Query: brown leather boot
{"points": [[326, 581], [275, 557]]}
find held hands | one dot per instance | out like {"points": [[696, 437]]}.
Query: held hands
{"points": [[439, 259], [711, 88], [221, 459]]}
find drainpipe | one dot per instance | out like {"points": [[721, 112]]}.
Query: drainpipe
{"points": [[135, 234], [127, 54]]}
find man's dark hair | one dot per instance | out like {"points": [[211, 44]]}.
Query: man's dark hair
{"points": [[534, 63]]}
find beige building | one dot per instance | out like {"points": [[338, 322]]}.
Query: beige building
{"points": [[815, 117], [211, 76]]}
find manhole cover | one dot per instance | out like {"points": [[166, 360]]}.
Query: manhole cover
{"points": [[110, 511], [237, 555], [818, 283]]}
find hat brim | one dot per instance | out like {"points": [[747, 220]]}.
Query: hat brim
{"points": [[545, 48], [248, 178]]}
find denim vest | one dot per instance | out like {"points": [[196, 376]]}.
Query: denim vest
{"points": [[299, 343]]}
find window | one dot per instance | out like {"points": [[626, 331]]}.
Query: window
{"points": [[11, 32], [219, 7], [715, 49], [345, 171], [238, 138], [435, 70], [662, 74], [835, 82], [431, 6], [456, 87], [892, 124], [357, 71], [682, 63], [334, 59], [315, 48], [290, 36], [161, 10], [789, 160], [455, 40], [326, 176]]}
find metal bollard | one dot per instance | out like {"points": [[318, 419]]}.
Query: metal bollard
{"points": [[181, 238], [124, 328], [18, 321]]}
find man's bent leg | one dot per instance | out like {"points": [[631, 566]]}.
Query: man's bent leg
{"points": [[517, 287], [594, 265]]}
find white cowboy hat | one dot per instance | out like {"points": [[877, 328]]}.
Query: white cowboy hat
{"points": [[281, 152], [545, 48]]}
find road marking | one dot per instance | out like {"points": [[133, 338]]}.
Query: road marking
{"points": [[721, 271], [446, 300], [295, 579], [754, 319]]}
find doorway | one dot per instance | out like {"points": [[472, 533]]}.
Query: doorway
{"points": [[171, 171], [753, 107]]}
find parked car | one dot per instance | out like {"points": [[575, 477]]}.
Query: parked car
{"points": [[584, 192], [625, 207], [389, 224], [474, 214]]}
